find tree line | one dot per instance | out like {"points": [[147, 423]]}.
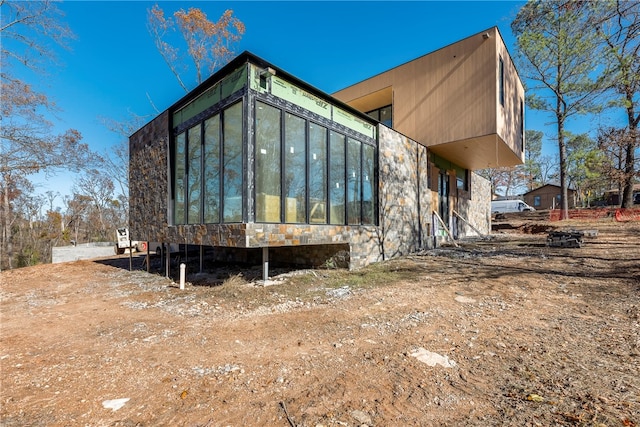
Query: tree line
{"points": [[32, 223], [579, 58], [576, 57]]}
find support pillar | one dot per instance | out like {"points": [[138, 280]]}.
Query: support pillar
{"points": [[167, 255]]}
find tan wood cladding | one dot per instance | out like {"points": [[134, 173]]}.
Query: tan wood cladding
{"points": [[451, 96]]}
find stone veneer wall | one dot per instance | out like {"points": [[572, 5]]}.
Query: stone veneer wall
{"points": [[405, 199], [477, 210], [148, 181]]}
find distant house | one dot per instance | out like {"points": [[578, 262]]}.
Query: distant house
{"points": [[612, 197], [549, 197], [259, 165]]}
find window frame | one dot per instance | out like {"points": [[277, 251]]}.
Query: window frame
{"points": [[501, 81], [280, 159], [329, 126], [375, 114], [219, 109]]}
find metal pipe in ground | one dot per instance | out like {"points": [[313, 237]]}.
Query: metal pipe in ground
{"points": [[183, 273], [265, 264]]}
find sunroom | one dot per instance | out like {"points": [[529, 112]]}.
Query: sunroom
{"points": [[255, 158]]}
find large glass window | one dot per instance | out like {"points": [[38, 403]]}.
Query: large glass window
{"points": [[198, 163], [336, 178], [179, 185], [232, 158], [317, 174], [304, 172], [194, 175], [294, 169], [267, 188], [521, 127], [354, 174], [212, 169], [369, 190]]}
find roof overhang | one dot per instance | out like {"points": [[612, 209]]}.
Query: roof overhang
{"points": [[488, 151], [373, 101]]}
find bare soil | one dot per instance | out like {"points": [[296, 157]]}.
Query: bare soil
{"points": [[524, 334]]}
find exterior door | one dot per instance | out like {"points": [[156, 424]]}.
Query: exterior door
{"points": [[443, 196]]}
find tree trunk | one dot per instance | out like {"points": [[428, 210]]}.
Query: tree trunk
{"points": [[562, 151], [629, 165], [7, 247], [627, 192]]}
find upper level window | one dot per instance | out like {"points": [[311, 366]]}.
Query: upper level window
{"points": [[501, 81], [521, 125], [462, 178], [384, 115]]}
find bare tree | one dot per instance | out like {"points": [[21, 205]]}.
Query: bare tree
{"points": [[209, 44], [116, 163], [98, 187], [614, 144], [27, 142]]}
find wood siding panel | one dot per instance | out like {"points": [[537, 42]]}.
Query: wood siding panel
{"points": [[450, 96], [509, 124]]}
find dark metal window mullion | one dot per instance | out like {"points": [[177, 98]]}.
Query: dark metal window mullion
{"points": [[361, 181], [327, 183], [244, 208], [202, 174], [307, 205], [185, 218], [252, 102], [345, 217], [376, 178], [283, 170], [221, 172]]}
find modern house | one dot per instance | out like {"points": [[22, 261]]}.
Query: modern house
{"points": [[259, 165]]}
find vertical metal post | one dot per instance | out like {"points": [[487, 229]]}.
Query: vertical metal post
{"points": [[130, 257], [148, 258], [167, 254], [265, 264]]}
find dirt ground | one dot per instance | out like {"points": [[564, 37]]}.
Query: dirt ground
{"points": [[518, 333]]}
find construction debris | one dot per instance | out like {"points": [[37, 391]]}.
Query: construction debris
{"points": [[565, 239]]}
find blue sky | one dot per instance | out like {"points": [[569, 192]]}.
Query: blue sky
{"points": [[113, 67]]}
